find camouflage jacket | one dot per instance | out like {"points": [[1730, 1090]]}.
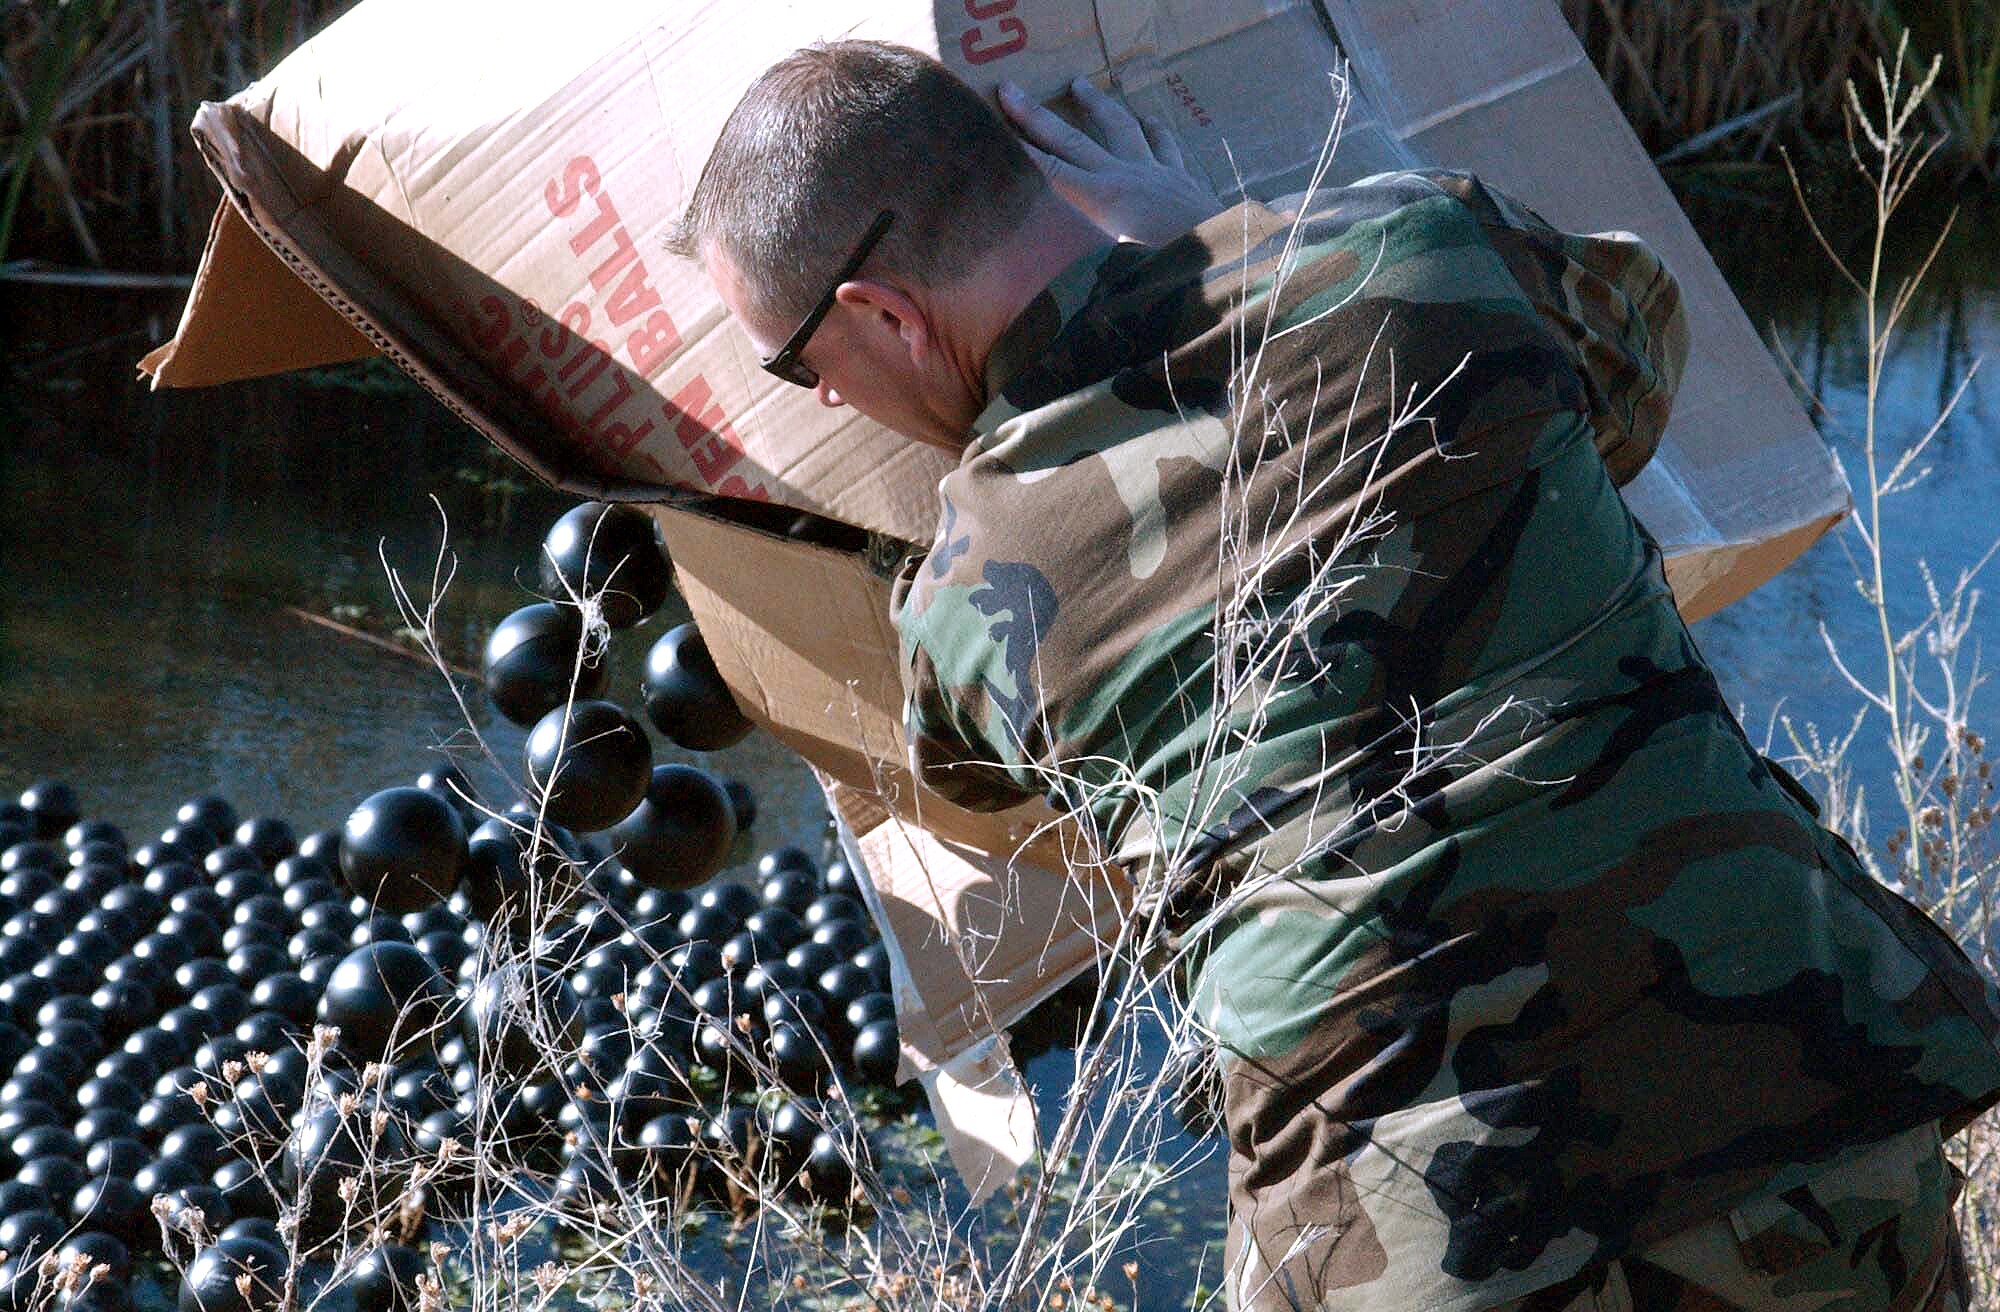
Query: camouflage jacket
{"points": [[1291, 555]]}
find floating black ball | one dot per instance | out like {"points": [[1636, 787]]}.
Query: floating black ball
{"points": [[331, 1147], [608, 552], [709, 924], [123, 1156], [243, 1187], [59, 1177], [791, 889], [743, 802], [385, 1280], [845, 937], [33, 854], [829, 1172], [192, 1204], [686, 698], [86, 832], [51, 805], [191, 838], [786, 858], [104, 1125], [843, 983], [271, 839], [592, 763], [669, 1145], [401, 849], [679, 835], [31, 1230], [232, 856], [148, 856], [211, 812], [239, 1274], [112, 1205], [729, 1142], [321, 845], [286, 995], [812, 959], [170, 877], [788, 1138], [798, 1058], [876, 1052], [531, 659], [834, 906], [520, 1014], [387, 999]]}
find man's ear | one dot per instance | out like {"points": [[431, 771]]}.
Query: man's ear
{"points": [[888, 309]]}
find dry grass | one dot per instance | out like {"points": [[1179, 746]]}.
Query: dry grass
{"points": [[1917, 684], [95, 99]]}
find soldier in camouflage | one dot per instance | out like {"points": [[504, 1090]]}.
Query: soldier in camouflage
{"points": [[1287, 551]]}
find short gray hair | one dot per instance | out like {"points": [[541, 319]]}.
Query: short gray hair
{"points": [[830, 136]]}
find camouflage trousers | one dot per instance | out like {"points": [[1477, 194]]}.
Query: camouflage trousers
{"points": [[1873, 1233]]}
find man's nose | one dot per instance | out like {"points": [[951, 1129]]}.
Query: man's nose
{"points": [[827, 396]]}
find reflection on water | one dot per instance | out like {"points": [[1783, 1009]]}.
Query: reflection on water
{"points": [[153, 540], [1767, 648]]}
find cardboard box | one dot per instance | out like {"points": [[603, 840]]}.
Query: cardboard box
{"points": [[479, 190]]}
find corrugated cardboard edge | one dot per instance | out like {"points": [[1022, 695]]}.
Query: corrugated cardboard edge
{"points": [[236, 147], [1706, 581], [249, 316]]}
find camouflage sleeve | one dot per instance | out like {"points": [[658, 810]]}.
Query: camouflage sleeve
{"points": [[943, 754], [1612, 299]]}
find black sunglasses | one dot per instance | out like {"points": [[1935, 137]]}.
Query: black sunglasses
{"points": [[786, 363]]}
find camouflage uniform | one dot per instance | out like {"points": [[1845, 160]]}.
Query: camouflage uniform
{"points": [[1294, 561]]}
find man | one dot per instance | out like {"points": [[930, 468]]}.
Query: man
{"points": [[1287, 552]]}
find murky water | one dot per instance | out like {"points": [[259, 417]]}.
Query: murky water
{"points": [[151, 543]]}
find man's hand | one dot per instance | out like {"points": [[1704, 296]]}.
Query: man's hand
{"points": [[1135, 185]]}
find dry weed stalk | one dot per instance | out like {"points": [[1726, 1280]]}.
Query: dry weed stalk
{"points": [[1922, 684]]}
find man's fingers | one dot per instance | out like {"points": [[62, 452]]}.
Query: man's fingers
{"points": [[1114, 123], [1064, 176], [1045, 128], [1166, 147]]}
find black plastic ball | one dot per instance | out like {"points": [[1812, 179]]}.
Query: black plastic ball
{"points": [[876, 1053], [798, 1058], [401, 850], [743, 802], [608, 552], [521, 1014], [385, 1280], [113, 1205], [216, 1280], [686, 698], [51, 805], [591, 762], [31, 1230], [270, 838], [786, 858], [669, 1145], [232, 856], [243, 1187], [386, 998], [679, 835], [829, 1170], [211, 812], [532, 657]]}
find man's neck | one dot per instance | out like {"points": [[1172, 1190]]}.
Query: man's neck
{"points": [[1052, 237]]}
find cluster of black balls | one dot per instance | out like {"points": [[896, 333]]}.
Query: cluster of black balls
{"points": [[589, 761], [158, 1007]]}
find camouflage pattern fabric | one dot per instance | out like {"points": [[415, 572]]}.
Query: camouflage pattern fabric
{"points": [[1290, 555], [1873, 1230]]}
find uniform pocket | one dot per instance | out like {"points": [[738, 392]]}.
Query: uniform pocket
{"points": [[1847, 1205]]}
